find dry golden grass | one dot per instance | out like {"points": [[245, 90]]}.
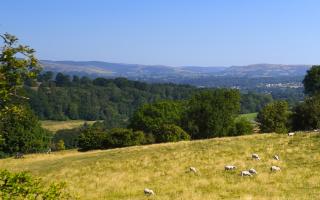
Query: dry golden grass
{"points": [[124, 173], [54, 126]]}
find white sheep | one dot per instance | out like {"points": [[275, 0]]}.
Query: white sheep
{"points": [[276, 157], [275, 168], [245, 173], [193, 169], [255, 156], [291, 134], [252, 171], [230, 167], [148, 192]]}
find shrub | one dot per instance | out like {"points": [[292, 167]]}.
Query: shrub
{"points": [[91, 138], [274, 117], [243, 127], [170, 133], [121, 137], [22, 185]]}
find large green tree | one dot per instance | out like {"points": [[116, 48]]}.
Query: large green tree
{"points": [[150, 117], [19, 128], [311, 81], [274, 117], [212, 113]]}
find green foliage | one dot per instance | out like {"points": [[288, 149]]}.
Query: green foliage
{"points": [[22, 132], [311, 81], [253, 102], [60, 145], [306, 115], [211, 113], [121, 137], [243, 127], [69, 136], [170, 133], [150, 117], [13, 70], [23, 186], [91, 138], [274, 117]]}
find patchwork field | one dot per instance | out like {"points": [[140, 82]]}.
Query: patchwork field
{"points": [[54, 126], [164, 168]]}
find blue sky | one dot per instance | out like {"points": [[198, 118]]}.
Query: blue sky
{"points": [[169, 32]]}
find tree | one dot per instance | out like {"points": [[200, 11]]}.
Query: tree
{"points": [[91, 138], [22, 132], [243, 127], [14, 71], [311, 81], [274, 117], [121, 137], [306, 115], [211, 113], [170, 133], [19, 127], [150, 117]]}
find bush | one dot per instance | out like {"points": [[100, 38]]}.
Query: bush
{"points": [[121, 137], [22, 185], [22, 132], [243, 127], [170, 133], [91, 138], [274, 117]]}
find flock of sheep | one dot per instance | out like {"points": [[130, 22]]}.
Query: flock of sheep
{"points": [[249, 172]]}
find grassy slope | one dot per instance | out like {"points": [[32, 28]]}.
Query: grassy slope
{"points": [[124, 173], [54, 126]]}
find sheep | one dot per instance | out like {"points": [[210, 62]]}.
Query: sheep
{"points": [[245, 173], [230, 167], [291, 134], [148, 192], [252, 171], [275, 168], [276, 157], [193, 169], [255, 156]]}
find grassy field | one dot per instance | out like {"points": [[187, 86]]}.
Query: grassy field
{"points": [[249, 116], [124, 173], [54, 126]]}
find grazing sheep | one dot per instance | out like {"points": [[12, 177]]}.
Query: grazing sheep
{"points": [[291, 134], [276, 157], [275, 168], [252, 171], [245, 173], [230, 167], [315, 130], [255, 156], [193, 169], [148, 192]]}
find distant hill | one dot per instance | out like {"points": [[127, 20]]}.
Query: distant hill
{"points": [[266, 70], [161, 72]]}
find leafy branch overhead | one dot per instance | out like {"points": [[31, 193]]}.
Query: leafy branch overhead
{"points": [[17, 63]]}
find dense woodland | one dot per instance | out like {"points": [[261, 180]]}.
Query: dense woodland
{"points": [[62, 97]]}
